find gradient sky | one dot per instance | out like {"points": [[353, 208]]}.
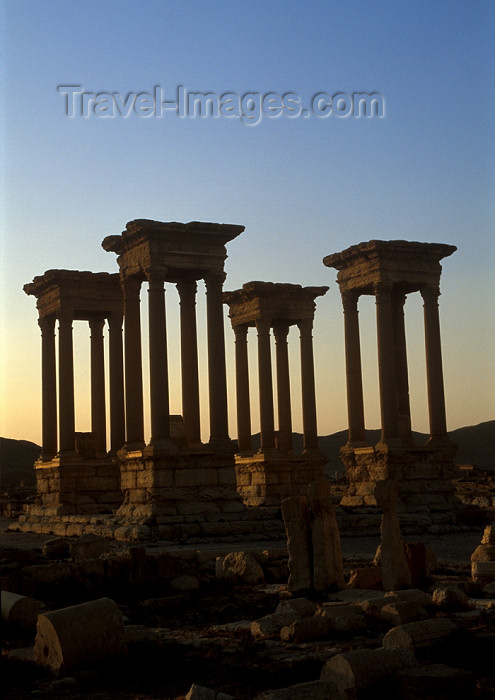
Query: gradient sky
{"points": [[303, 187]]}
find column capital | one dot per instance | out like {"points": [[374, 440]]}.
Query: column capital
{"points": [[241, 332], [65, 318], [115, 320], [214, 279], [350, 300], [382, 288], [281, 330], [96, 325], [156, 275], [47, 324], [130, 286], [305, 326], [187, 289], [430, 293], [263, 325]]}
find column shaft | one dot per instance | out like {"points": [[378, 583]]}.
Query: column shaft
{"points": [[117, 413], [217, 375], [159, 398], [284, 440], [189, 361], [48, 388], [434, 372], [242, 390], [66, 386], [386, 364], [404, 408], [98, 411], [133, 365], [354, 378], [310, 431], [267, 422]]}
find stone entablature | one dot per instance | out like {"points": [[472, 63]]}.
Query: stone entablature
{"points": [[275, 472]]}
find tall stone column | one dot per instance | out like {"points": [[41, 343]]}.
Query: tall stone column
{"points": [[66, 385], [217, 375], [386, 363], [159, 398], [284, 442], [267, 421], [354, 377], [189, 360], [310, 432], [404, 408], [434, 371], [242, 389], [133, 365], [117, 414], [98, 412], [48, 387]]}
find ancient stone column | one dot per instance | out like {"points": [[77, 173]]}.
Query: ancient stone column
{"points": [[355, 403], [48, 387], [117, 414], [189, 360], [66, 385], [404, 408], [159, 399], [217, 376], [242, 389], [133, 365], [310, 434], [386, 363], [98, 412], [434, 372], [284, 441], [267, 421]]}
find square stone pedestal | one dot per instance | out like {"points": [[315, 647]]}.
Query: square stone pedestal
{"points": [[71, 485], [266, 478], [424, 474]]}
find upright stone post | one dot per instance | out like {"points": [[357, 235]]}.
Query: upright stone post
{"points": [[355, 402], [242, 389], [48, 387], [386, 363], [310, 436], [117, 414], [434, 371], [284, 440], [98, 413], [189, 361], [267, 421], [66, 385], [159, 399], [217, 374], [133, 366]]}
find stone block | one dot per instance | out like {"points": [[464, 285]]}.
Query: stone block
{"points": [[226, 476], [196, 477], [239, 567], [271, 625]]}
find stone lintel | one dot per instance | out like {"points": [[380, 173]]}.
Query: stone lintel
{"points": [[272, 300], [83, 294], [409, 266], [145, 245]]}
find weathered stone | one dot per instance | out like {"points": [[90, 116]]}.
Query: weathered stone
{"points": [[89, 547], [271, 625], [57, 548], [419, 634], [325, 538], [239, 567], [81, 634], [410, 594], [19, 610], [488, 535], [403, 612], [361, 669], [302, 606], [395, 571], [450, 598], [306, 629], [199, 692], [369, 577], [296, 519]]}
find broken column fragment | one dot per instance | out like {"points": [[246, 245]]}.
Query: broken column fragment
{"points": [[395, 570], [296, 519], [19, 610], [72, 637]]}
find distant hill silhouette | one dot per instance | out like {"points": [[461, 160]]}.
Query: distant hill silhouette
{"points": [[476, 445]]}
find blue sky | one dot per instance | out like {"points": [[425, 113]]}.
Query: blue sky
{"points": [[303, 187]]}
